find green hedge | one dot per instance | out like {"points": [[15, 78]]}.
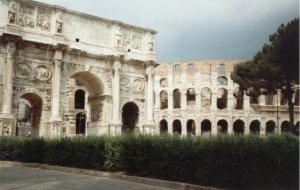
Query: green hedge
{"points": [[270, 162]]}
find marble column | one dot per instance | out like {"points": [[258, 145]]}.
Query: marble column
{"points": [[116, 92], [150, 72], [8, 80], [55, 111]]}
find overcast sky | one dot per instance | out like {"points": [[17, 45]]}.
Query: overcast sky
{"points": [[197, 29]]}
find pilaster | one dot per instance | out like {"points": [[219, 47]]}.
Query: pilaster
{"points": [[150, 72]]}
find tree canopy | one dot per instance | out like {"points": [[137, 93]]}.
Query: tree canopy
{"points": [[276, 66]]}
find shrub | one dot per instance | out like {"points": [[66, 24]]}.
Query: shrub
{"points": [[250, 161]]}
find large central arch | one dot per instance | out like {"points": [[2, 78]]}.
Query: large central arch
{"points": [[86, 91], [130, 117]]}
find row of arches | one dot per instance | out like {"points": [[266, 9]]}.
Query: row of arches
{"points": [[222, 98], [206, 98], [222, 126]]}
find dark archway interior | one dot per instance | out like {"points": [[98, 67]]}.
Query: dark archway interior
{"points": [[130, 115], [238, 127], [255, 127], [270, 127], [163, 99], [205, 126], [222, 126], [163, 126], [222, 99], [79, 99], [80, 123], [177, 127], [285, 126], [191, 129]]}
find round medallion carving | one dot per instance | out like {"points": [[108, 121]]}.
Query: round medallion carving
{"points": [[138, 85], [41, 72], [125, 84], [23, 70]]}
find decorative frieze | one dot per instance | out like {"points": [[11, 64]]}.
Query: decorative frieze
{"points": [[27, 16], [44, 19]]}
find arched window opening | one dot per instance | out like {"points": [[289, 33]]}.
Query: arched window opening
{"points": [[191, 128], [80, 123], [222, 81], [205, 98], [238, 127], [163, 126], [255, 127], [222, 126], [130, 116], [238, 96], [79, 99], [164, 100], [163, 82], [222, 98], [176, 98], [270, 127], [205, 127], [191, 96], [285, 126], [177, 127]]}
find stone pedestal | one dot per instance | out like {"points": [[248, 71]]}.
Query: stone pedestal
{"points": [[7, 127]]}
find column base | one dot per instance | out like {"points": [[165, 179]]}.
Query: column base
{"points": [[56, 129]]}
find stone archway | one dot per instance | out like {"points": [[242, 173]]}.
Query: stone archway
{"points": [[163, 126], [222, 126], [255, 127], [177, 128], [29, 111], [270, 126], [205, 127], [239, 127], [130, 117], [86, 95], [191, 127]]}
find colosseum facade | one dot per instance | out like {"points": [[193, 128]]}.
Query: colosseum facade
{"points": [[199, 97]]}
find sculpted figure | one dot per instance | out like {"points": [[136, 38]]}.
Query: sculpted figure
{"points": [[59, 23], [12, 13]]}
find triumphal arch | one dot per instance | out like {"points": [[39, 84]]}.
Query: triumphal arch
{"points": [[67, 73]]}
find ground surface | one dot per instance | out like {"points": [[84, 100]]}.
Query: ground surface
{"points": [[19, 177]]}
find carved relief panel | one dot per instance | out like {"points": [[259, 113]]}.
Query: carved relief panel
{"points": [[137, 41], [44, 19], [27, 16]]}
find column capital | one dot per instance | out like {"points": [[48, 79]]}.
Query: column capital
{"points": [[117, 66], [58, 55], [150, 70]]}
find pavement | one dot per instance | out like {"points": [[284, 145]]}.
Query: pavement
{"points": [[32, 176]]}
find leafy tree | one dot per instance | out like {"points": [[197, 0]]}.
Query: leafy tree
{"points": [[276, 66]]}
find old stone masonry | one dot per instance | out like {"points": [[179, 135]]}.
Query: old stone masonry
{"points": [[66, 73]]}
